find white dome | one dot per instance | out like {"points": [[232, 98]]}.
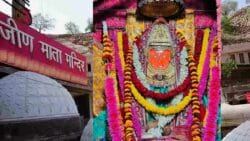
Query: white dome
{"points": [[240, 133], [27, 95]]}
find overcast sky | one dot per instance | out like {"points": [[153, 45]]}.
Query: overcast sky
{"points": [[241, 3], [63, 11]]}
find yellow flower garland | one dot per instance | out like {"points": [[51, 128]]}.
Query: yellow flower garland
{"points": [[159, 110], [203, 52], [213, 55], [120, 46]]}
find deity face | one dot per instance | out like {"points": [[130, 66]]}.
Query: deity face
{"points": [[159, 54], [159, 57]]}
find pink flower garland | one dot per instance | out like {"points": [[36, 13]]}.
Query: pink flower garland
{"points": [[213, 105], [113, 111]]}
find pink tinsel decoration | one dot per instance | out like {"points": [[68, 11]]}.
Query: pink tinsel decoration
{"points": [[213, 105], [113, 111], [118, 65]]}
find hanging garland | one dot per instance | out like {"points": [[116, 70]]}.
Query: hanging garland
{"points": [[159, 110], [204, 60], [112, 99], [196, 124], [119, 62], [205, 64], [107, 52], [129, 130], [156, 95], [136, 123], [213, 105], [214, 97], [201, 54], [138, 67], [113, 111]]}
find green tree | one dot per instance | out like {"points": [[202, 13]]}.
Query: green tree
{"points": [[227, 68], [226, 25], [89, 27]]}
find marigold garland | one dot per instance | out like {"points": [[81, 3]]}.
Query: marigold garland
{"points": [[129, 130], [196, 124], [107, 55], [203, 63]]}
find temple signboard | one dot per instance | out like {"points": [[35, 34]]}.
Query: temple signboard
{"points": [[25, 48]]}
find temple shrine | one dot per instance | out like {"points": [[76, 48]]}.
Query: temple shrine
{"points": [[156, 73]]}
